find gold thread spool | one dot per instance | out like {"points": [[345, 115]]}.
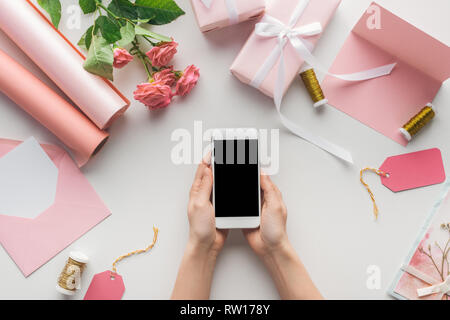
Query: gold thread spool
{"points": [[70, 277], [418, 122], [313, 86]]}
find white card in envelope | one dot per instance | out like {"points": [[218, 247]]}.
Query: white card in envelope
{"points": [[28, 181]]}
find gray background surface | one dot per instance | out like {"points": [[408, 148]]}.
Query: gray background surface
{"points": [[330, 214]]}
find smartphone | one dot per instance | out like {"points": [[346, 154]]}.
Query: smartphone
{"points": [[236, 172]]}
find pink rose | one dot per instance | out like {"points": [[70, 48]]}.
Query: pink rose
{"points": [[121, 58], [165, 76], [188, 80], [162, 54], [155, 95]]}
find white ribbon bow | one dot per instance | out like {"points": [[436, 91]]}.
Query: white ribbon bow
{"points": [[435, 288], [231, 6], [270, 27]]}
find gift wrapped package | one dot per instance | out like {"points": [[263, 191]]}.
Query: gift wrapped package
{"points": [[257, 51], [216, 14]]}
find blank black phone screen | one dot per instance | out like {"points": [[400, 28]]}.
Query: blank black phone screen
{"points": [[236, 176]]}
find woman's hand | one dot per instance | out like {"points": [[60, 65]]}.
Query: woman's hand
{"points": [[269, 241], [271, 235], [203, 234], [271, 244], [205, 241]]}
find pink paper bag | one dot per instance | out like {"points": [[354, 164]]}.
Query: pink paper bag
{"points": [[387, 103], [77, 208], [257, 49], [222, 13]]}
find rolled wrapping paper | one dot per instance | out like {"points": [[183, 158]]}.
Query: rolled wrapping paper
{"points": [[75, 130], [99, 100]]}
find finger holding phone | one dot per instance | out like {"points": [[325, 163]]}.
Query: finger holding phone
{"points": [[203, 233], [271, 235], [205, 241]]}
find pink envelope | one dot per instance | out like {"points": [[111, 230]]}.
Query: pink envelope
{"points": [[387, 103], [76, 209]]}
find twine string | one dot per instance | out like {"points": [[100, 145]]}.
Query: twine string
{"points": [[155, 238], [378, 172]]}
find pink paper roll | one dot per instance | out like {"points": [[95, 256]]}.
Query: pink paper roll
{"points": [[61, 61], [52, 111]]}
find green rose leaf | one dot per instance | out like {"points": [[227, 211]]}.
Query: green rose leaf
{"points": [[124, 9], [85, 41], [109, 29], [53, 8], [128, 35], [159, 11], [100, 58], [143, 20], [88, 6], [82, 42], [144, 32]]}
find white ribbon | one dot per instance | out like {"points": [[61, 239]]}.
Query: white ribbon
{"points": [[233, 14], [443, 288], [435, 288], [270, 27]]}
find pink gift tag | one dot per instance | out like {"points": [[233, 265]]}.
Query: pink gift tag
{"points": [[105, 287], [413, 170]]}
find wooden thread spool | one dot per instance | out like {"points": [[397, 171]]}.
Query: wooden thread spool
{"points": [[313, 86], [418, 122], [70, 278]]}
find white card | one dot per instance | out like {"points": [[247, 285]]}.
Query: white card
{"points": [[28, 180]]}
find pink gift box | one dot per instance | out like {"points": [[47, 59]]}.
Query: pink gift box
{"points": [[257, 49], [220, 13]]}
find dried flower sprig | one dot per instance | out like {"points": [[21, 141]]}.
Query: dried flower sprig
{"points": [[443, 268]]}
